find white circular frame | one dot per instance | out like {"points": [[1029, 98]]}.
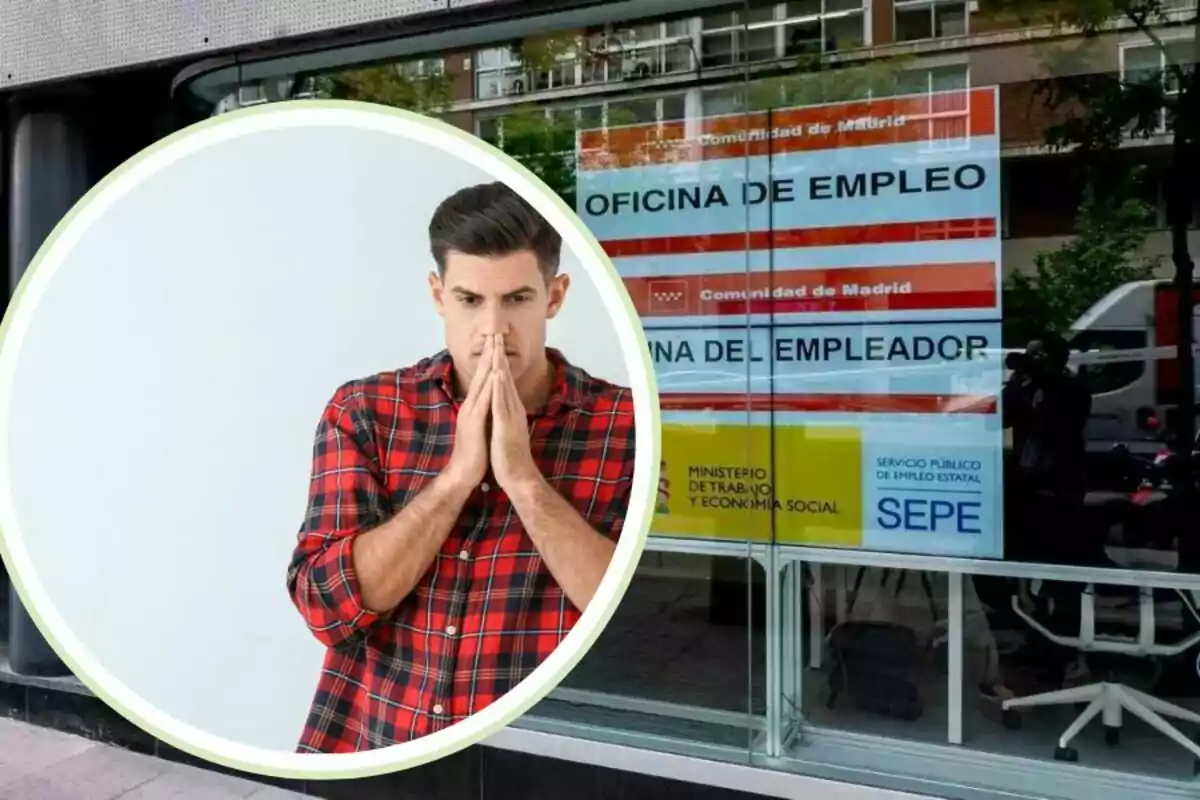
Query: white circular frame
{"points": [[404, 125]]}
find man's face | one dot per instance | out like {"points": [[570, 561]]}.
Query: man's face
{"points": [[1036, 356], [479, 296]]}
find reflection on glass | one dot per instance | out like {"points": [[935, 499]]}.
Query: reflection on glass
{"points": [[877, 657], [680, 637], [913, 23], [1145, 674], [950, 19]]}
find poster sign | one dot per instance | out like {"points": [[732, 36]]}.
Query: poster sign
{"points": [[820, 289]]}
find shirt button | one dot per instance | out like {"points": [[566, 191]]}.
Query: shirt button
{"points": [[451, 630], [437, 709], [463, 555], [485, 486]]}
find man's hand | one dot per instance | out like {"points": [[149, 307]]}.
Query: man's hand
{"points": [[469, 461], [512, 458]]}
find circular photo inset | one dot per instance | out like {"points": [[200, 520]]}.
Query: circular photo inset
{"points": [[330, 440]]}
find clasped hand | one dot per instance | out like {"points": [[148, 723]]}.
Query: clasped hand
{"points": [[492, 426]]}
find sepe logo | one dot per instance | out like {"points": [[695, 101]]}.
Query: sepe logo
{"points": [[668, 297]]}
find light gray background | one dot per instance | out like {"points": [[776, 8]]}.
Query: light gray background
{"points": [[169, 386]]}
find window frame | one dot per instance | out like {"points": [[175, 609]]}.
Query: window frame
{"points": [[1167, 38], [930, 6], [577, 108]]}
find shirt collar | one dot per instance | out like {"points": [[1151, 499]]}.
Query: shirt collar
{"points": [[568, 387]]}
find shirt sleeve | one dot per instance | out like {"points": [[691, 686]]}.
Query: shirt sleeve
{"points": [[346, 496], [622, 451]]}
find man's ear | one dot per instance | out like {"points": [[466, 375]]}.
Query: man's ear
{"points": [[438, 291], [557, 291]]}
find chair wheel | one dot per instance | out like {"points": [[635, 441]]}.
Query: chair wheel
{"points": [[1066, 754], [1011, 719], [1112, 736]]}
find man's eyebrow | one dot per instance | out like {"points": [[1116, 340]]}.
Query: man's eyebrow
{"points": [[507, 295]]}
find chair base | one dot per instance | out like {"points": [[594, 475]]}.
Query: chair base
{"points": [[1110, 701]]}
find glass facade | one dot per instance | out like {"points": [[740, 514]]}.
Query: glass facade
{"points": [[916, 277]]}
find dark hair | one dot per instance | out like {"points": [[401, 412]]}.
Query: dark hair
{"points": [[492, 220], [1056, 348]]}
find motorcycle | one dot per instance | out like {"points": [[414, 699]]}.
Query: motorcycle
{"points": [[1155, 513]]}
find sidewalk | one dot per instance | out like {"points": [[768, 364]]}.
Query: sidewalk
{"points": [[42, 764]]}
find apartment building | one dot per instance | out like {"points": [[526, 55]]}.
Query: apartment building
{"points": [[720, 60]]}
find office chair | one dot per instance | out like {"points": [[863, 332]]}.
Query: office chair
{"points": [[1110, 700]]}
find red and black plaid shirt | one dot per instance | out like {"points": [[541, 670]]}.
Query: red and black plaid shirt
{"points": [[487, 612]]}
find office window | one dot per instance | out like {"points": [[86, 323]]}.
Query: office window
{"points": [[929, 19]]}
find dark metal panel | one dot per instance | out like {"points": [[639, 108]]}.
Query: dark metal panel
{"points": [[48, 172]]}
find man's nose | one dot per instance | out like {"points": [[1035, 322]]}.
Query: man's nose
{"points": [[495, 321]]}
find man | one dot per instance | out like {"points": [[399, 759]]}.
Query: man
{"points": [[1047, 406], [462, 511]]}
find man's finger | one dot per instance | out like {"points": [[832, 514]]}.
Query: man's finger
{"points": [[498, 355], [507, 391], [486, 399], [497, 391], [514, 397], [479, 379]]}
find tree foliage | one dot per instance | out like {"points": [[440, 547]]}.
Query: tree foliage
{"points": [[1100, 111], [1107, 251], [544, 145], [389, 85]]}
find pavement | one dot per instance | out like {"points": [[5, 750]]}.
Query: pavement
{"points": [[43, 764]]}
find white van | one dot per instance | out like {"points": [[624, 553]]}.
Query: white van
{"points": [[1124, 348]]}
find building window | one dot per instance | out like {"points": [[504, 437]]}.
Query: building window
{"points": [[929, 19], [814, 27], [1152, 63], [949, 113], [651, 49], [422, 68], [614, 113], [723, 100], [947, 108], [728, 38], [760, 33], [498, 73], [781, 30]]}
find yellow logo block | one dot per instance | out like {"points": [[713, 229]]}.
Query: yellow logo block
{"points": [[734, 482]]}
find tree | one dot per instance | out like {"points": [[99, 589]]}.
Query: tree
{"points": [[1102, 111], [389, 85], [1106, 252], [545, 145]]}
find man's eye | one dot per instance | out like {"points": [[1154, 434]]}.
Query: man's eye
{"points": [[470, 301], [521, 298]]}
